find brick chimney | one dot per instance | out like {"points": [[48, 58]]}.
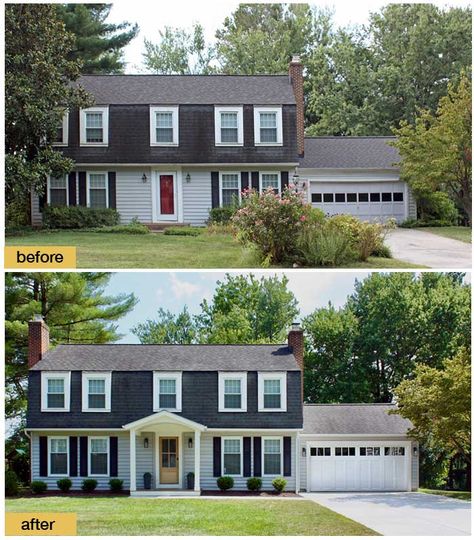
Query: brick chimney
{"points": [[38, 340], [296, 79], [296, 344]]}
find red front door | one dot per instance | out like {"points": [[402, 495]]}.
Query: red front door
{"points": [[166, 194]]}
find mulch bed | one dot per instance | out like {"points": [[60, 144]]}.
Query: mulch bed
{"points": [[250, 494], [72, 493]]}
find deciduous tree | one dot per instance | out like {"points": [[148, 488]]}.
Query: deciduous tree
{"points": [[168, 328]]}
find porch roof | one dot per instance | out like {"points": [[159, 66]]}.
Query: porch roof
{"points": [[165, 417]]}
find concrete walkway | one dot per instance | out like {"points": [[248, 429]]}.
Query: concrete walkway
{"points": [[420, 247], [401, 514]]}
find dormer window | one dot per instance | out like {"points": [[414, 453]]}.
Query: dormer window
{"points": [[167, 391], [268, 126], [55, 391], [94, 126], [233, 392], [62, 132], [272, 392], [96, 391], [229, 126], [164, 123]]}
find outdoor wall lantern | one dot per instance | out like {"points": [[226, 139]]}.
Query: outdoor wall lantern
{"points": [[144, 178], [188, 178], [145, 442], [415, 451], [303, 451], [190, 443]]}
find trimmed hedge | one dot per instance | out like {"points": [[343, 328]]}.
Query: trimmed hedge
{"points": [[279, 484], [64, 484], [221, 215], [254, 484], [88, 485], [38, 487], [79, 217], [11, 484], [116, 485], [183, 231], [225, 482]]}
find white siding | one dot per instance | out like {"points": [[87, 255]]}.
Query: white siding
{"points": [[134, 195], [196, 196], [415, 468]]}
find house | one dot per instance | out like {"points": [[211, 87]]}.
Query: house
{"points": [[106, 411], [168, 148]]}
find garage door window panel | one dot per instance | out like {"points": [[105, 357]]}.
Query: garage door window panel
{"points": [[375, 197], [340, 197], [316, 197], [343, 451], [363, 197], [394, 451], [321, 452], [370, 451], [398, 196], [328, 197], [386, 197], [352, 197]]}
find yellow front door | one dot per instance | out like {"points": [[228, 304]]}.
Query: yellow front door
{"points": [[169, 460]]}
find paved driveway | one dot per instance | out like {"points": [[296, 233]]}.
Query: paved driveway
{"points": [[427, 249], [401, 514]]}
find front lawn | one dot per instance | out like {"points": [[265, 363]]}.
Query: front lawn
{"points": [[464, 234], [463, 495], [105, 250], [193, 517]]}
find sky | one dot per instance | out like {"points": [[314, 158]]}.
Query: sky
{"points": [[154, 16]]}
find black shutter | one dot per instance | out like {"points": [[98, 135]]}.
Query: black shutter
{"points": [[255, 181], [83, 453], [42, 200], [43, 456], [215, 189], [244, 176], [257, 456], [247, 450], [71, 186], [286, 456], [217, 457], [114, 456], [82, 188], [112, 190], [72, 456], [284, 180]]}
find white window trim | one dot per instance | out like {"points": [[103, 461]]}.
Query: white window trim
{"points": [[57, 437], [274, 438], [240, 439], [279, 125], [240, 376], [177, 376], [262, 376], [89, 455], [48, 183], [88, 175], [65, 122], [220, 184], [260, 180], [105, 126], [45, 375], [107, 376], [175, 111], [240, 125]]}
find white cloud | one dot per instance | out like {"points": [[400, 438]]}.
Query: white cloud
{"points": [[182, 288]]}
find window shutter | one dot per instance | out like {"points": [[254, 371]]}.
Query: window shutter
{"points": [[247, 451], [82, 189], [42, 200], [244, 176], [286, 456], [255, 181], [43, 456], [71, 186], [72, 456], [114, 456], [215, 189], [284, 180], [217, 457], [83, 453], [112, 190], [257, 456]]}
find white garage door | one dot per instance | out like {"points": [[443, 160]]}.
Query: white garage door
{"points": [[369, 201], [349, 466]]}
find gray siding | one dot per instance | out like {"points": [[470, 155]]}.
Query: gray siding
{"points": [[188, 457], [196, 197], [145, 457], [134, 195], [36, 216], [412, 211], [415, 468]]}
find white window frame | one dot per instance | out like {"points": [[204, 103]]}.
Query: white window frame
{"points": [[241, 442], [58, 437], [88, 175], [105, 126], [65, 122], [45, 375], [86, 376], [89, 455], [240, 124], [272, 438], [157, 376], [239, 175], [239, 376], [279, 125], [48, 183], [260, 179], [262, 376], [153, 111]]}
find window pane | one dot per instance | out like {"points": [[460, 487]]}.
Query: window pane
{"points": [[232, 386], [96, 386], [270, 180], [316, 197], [229, 120], [340, 197], [271, 386], [59, 134], [328, 197], [56, 386], [272, 464], [164, 135], [231, 463], [99, 463], [55, 401], [232, 401], [268, 135], [94, 120], [375, 197], [386, 197], [362, 451], [58, 464], [58, 197], [167, 386], [98, 198], [271, 446], [398, 196], [313, 451], [230, 181], [230, 197], [229, 135], [96, 401], [271, 401], [94, 135], [231, 446], [268, 120], [164, 119], [168, 401], [97, 181], [98, 445], [352, 197], [58, 446], [363, 197], [172, 446], [59, 183]]}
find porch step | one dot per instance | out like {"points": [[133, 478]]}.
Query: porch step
{"points": [[165, 225], [152, 494]]}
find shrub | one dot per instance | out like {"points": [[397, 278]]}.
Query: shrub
{"points": [[38, 487], [220, 228], [11, 484], [221, 215], [254, 484], [64, 484], [78, 217], [279, 484], [183, 231], [324, 246], [438, 206], [88, 485], [116, 485], [225, 482], [382, 251]]}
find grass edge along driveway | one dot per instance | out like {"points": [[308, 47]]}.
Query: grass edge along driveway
{"points": [[461, 495], [123, 516]]}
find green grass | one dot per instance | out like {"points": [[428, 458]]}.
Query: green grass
{"points": [[192, 517], [97, 250], [456, 233], [462, 495]]}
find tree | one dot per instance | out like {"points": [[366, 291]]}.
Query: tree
{"points": [[436, 151], [169, 328], [38, 74], [179, 52], [98, 45], [74, 307]]}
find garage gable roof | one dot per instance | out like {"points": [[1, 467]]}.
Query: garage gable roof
{"points": [[349, 153], [353, 418]]}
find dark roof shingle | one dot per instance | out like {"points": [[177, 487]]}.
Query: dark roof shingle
{"points": [[349, 153]]}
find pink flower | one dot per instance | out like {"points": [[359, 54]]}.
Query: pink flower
{"points": [[303, 218]]}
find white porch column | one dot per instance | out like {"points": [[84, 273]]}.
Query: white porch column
{"points": [[133, 461], [297, 462], [197, 461]]}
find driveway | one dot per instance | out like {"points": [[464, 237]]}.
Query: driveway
{"points": [[427, 249], [401, 514]]}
